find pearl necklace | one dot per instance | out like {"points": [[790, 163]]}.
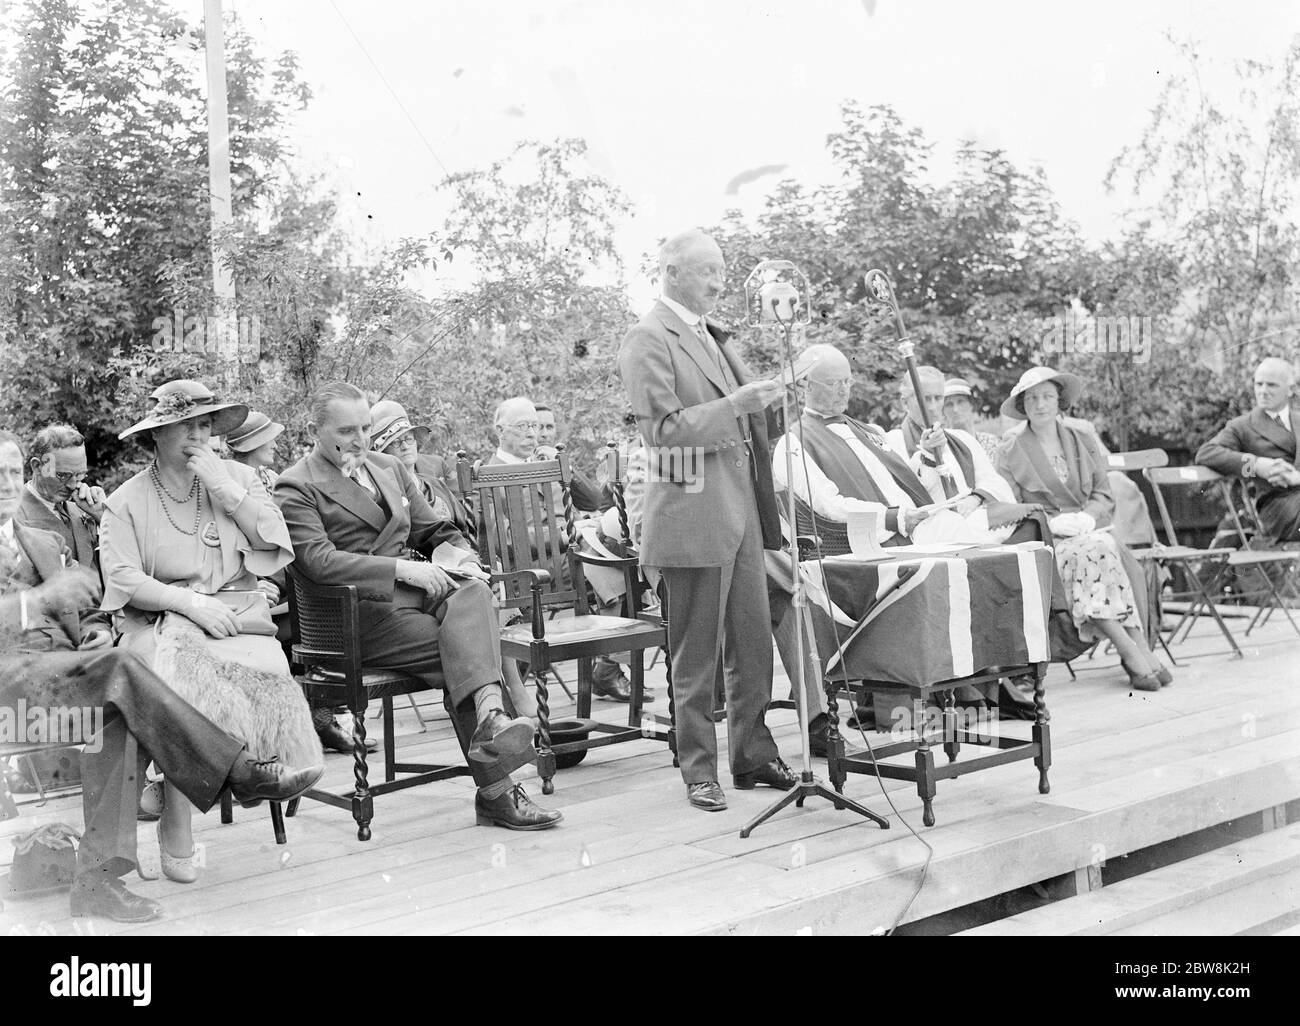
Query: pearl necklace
{"points": [[195, 494]]}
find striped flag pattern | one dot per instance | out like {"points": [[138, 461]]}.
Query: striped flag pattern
{"points": [[923, 619]]}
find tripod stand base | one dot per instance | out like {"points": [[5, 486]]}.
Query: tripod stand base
{"points": [[810, 787]]}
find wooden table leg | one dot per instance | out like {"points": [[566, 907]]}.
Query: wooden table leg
{"points": [[1042, 734], [951, 745]]}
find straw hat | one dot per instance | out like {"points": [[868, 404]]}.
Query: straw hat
{"points": [[1071, 386], [256, 431], [389, 422], [184, 400]]}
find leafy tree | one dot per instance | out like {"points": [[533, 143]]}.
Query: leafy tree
{"points": [[103, 187], [1214, 179], [974, 261]]}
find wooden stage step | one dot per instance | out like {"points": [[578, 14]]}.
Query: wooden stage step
{"points": [[1232, 888]]}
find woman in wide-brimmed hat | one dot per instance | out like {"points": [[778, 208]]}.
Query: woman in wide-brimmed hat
{"points": [[182, 545], [1059, 467]]}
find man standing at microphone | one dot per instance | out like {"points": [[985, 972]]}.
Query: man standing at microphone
{"points": [[709, 513]]}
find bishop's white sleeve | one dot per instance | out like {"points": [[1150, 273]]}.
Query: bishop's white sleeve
{"points": [[824, 496]]}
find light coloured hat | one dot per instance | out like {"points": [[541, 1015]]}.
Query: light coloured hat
{"points": [[1071, 386], [389, 422], [957, 386], [255, 432], [184, 399]]}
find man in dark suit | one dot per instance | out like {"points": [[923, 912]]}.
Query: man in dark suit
{"points": [[57, 497], [1262, 445], [359, 517], [709, 513], [46, 663]]}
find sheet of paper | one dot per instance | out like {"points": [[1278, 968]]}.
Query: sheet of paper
{"points": [[785, 379], [862, 534]]}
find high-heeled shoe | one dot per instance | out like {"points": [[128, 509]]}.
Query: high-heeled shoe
{"points": [[182, 870], [1165, 675], [1142, 682]]}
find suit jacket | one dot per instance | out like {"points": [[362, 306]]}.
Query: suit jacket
{"points": [[435, 488], [43, 550], [1252, 434], [702, 477], [85, 532], [341, 535]]}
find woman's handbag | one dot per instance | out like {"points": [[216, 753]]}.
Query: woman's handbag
{"points": [[252, 609]]}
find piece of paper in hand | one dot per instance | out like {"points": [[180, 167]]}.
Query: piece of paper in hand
{"points": [[785, 379], [862, 534]]}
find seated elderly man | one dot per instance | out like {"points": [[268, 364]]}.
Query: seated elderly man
{"points": [[951, 463], [518, 427], [359, 517], [57, 497], [1261, 445], [850, 469], [48, 662], [587, 495]]}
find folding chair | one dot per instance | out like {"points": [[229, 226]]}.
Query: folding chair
{"points": [[1222, 560], [1187, 560]]}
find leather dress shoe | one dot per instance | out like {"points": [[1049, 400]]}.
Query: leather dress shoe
{"points": [[499, 736], [97, 894], [253, 781], [609, 681], [514, 810], [335, 739], [775, 774], [707, 796]]}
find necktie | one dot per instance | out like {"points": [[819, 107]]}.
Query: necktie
{"points": [[363, 481]]}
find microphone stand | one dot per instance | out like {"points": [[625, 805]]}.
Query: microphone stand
{"points": [[808, 786]]}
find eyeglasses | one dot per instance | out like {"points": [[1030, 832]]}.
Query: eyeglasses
{"points": [[523, 425], [69, 477], [843, 385]]}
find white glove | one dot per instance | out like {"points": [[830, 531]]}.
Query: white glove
{"points": [[1068, 525]]}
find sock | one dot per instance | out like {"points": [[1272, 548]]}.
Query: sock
{"points": [[487, 700], [496, 790]]}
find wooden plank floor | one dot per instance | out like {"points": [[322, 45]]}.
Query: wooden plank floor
{"points": [[1130, 769]]}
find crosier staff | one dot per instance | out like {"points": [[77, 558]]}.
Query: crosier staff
{"points": [[878, 285]]}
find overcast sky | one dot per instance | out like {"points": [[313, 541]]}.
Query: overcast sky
{"points": [[677, 97]]}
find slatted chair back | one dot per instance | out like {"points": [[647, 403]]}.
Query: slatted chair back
{"points": [[514, 510]]}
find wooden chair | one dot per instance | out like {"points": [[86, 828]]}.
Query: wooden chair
{"points": [[536, 562], [327, 645], [1242, 560]]}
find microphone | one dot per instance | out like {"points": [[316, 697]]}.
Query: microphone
{"points": [[777, 292]]}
